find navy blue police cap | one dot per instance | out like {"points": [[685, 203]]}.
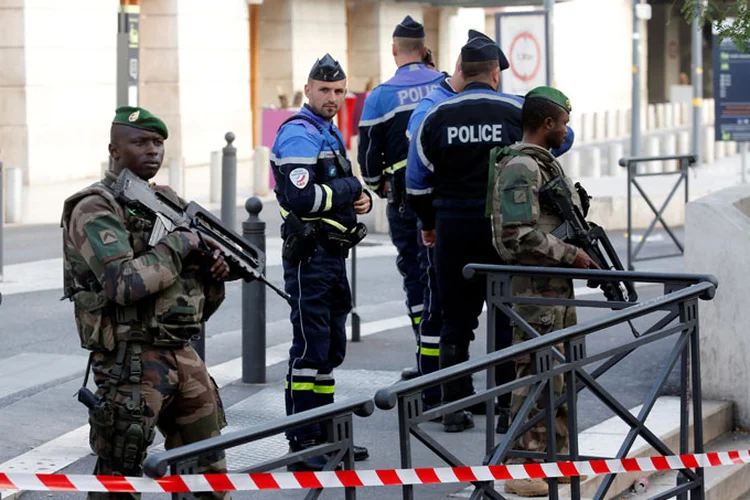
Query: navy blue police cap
{"points": [[327, 69], [501, 59], [408, 28]]}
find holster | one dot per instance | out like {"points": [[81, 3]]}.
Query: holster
{"points": [[336, 240], [395, 189], [299, 240]]}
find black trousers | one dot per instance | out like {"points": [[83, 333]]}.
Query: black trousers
{"points": [[463, 239]]}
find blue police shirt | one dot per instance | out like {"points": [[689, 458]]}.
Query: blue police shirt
{"points": [[313, 176], [383, 145]]}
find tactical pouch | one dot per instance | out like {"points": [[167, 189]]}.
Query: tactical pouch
{"points": [[119, 436], [395, 189], [178, 311], [94, 321], [299, 242], [101, 432]]}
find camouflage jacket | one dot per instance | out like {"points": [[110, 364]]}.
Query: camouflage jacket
{"points": [[520, 224], [121, 288]]}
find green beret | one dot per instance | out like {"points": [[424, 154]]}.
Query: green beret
{"points": [[551, 94], [140, 118]]}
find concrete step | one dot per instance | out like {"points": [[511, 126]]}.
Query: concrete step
{"points": [[729, 482], [605, 439]]}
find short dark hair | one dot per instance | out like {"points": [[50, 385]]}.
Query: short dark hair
{"points": [[475, 69], [536, 110], [409, 45]]}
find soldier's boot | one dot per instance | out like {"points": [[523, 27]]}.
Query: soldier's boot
{"points": [[503, 421], [527, 487], [456, 389]]}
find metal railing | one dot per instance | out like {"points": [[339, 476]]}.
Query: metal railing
{"points": [[685, 162], [679, 320], [337, 417]]}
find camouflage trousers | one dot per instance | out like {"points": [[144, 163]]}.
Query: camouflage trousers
{"points": [[177, 396], [544, 320]]}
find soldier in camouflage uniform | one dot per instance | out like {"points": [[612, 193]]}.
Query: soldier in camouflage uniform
{"points": [[136, 308], [521, 229]]}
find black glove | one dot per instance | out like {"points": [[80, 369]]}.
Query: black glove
{"points": [[585, 198]]}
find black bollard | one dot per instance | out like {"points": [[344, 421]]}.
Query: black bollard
{"points": [[254, 302]]}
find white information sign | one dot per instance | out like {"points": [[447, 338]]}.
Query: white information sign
{"points": [[523, 38]]}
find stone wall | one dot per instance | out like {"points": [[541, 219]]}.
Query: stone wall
{"points": [[717, 236]]}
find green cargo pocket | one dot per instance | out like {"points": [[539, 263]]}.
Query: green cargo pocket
{"points": [[94, 324], [515, 203], [178, 311], [102, 431]]}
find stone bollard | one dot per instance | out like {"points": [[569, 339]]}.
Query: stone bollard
{"points": [[610, 124], [669, 116], [615, 152], [683, 142], [707, 146], [229, 183], [261, 170], [652, 149], [731, 148], [177, 175], [215, 177], [650, 117], [660, 116], [254, 302], [676, 115], [592, 162], [600, 125], [669, 148], [571, 162], [13, 195], [720, 149]]}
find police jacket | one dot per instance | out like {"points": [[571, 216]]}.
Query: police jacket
{"points": [[421, 178], [383, 145], [454, 143], [313, 176]]}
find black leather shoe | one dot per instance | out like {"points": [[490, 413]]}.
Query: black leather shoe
{"points": [[310, 464], [503, 421], [409, 373], [458, 421], [360, 453]]}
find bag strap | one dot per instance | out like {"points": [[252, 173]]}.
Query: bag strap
{"points": [[340, 159]]}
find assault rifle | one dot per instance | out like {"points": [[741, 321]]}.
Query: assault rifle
{"points": [[586, 236], [244, 259]]}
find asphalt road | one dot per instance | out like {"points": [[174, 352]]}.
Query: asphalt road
{"points": [[38, 324]]}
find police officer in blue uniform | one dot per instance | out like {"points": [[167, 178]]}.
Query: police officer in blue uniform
{"points": [[453, 145], [319, 199], [383, 148], [419, 182]]}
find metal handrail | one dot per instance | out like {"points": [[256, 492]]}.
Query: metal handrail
{"points": [[691, 158], [679, 301], [386, 398], [156, 465]]}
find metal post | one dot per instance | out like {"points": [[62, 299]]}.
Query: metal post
{"points": [[2, 220], [229, 183], [254, 301], [635, 131], [631, 171], [355, 314], [743, 157], [128, 43], [549, 7], [697, 49]]}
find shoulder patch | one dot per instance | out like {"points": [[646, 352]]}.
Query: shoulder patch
{"points": [[108, 236], [299, 177]]}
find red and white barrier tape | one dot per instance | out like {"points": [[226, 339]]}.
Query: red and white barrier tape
{"points": [[359, 478]]}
